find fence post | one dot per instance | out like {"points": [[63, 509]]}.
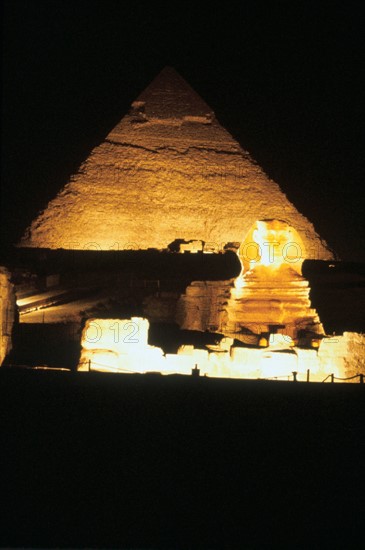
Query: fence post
{"points": [[308, 374], [361, 378], [332, 377], [295, 376], [195, 371], [89, 365]]}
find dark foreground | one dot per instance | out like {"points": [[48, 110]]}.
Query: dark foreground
{"points": [[134, 461]]}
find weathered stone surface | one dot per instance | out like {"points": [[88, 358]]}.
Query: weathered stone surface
{"points": [[271, 298], [167, 171], [346, 353], [121, 345], [203, 304], [8, 313], [265, 297]]}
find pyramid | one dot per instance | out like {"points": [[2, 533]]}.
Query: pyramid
{"points": [[168, 171]]}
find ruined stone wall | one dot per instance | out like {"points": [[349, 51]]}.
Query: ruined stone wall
{"points": [[345, 352], [121, 345]]}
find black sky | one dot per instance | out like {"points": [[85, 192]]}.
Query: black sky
{"points": [[285, 78]]}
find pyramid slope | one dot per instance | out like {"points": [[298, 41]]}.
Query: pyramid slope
{"points": [[167, 171], [170, 96]]}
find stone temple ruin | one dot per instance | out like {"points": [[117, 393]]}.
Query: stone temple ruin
{"points": [[170, 177]]}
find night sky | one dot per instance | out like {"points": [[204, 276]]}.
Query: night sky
{"points": [[285, 78]]}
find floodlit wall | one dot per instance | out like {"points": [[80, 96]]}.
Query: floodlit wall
{"points": [[347, 352], [121, 345]]}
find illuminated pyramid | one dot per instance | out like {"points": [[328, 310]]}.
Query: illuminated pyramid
{"points": [[168, 171]]}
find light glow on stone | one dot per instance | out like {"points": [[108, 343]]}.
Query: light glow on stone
{"points": [[121, 345], [272, 243]]}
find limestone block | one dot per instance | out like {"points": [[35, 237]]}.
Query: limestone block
{"points": [[100, 360], [178, 364], [119, 335], [119, 344]]}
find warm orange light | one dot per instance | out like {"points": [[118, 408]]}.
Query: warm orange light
{"points": [[272, 243], [121, 345]]}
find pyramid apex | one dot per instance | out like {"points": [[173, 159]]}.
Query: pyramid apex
{"points": [[168, 69], [170, 96]]}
